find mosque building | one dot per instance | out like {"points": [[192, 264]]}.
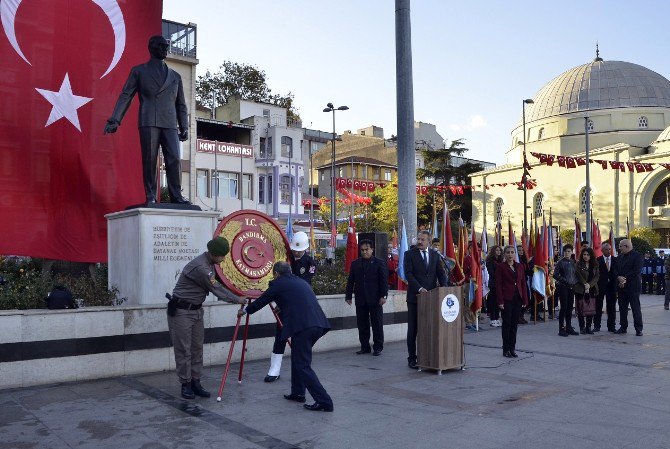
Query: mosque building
{"points": [[624, 110]]}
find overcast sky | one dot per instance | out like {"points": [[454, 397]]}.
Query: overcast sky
{"points": [[473, 62]]}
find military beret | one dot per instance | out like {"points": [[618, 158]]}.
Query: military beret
{"points": [[218, 247]]}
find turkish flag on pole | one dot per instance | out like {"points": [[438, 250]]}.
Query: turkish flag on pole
{"points": [[596, 242], [63, 65]]}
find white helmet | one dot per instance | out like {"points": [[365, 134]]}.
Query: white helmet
{"points": [[299, 242]]}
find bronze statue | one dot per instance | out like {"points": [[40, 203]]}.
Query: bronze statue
{"points": [[162, 110]]}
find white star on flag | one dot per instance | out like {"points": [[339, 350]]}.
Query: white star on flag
{"points": [[64, 102]]}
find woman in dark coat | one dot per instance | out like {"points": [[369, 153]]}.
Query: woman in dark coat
{"points": [[511, 294], [492, 260], [588, 273]]}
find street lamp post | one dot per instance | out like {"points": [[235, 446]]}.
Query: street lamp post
{"points": [[524, 178], [333, 204]]}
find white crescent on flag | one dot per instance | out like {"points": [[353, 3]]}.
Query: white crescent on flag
{"points": [[111, 9]]}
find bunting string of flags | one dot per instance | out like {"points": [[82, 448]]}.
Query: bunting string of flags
{"points": [[574, 162], [457, 189]]}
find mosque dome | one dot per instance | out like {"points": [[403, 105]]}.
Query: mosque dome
{"points": [[665, 135], [600, 85]]}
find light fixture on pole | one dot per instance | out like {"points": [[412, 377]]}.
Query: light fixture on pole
{"points": [[333, 204], [524, 178]]}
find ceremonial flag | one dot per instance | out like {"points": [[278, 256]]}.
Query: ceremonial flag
{"points": [[401, 252], [497, 238], [476, 279], [577, 239], [484, 246], [289, 230], [352, 245], [612, 242], [539, 279], [436, 232], [63, 65], [455, 270], [462, 242], [512, 241], [550, 237], [627, 228], [596, 244]]}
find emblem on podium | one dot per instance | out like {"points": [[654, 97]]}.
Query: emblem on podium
{"points": [[256, 243]]}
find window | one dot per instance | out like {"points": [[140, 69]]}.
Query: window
{"points": [[247, 186], [266, 113], [286, 187], [270, 189], [540, 134], [376, 173], [538, 205], [582, 200], [387, 174], [261, 189], [201, 183], [266, 148], [323, 176], [340, 172], [286, 147], [417, 162], [498, 208], [224, 184], [364, 172], [589, 125], [354, 171], [362, 132], [642, 122]]}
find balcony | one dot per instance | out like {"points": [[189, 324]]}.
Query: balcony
{"points": [[181, 37]]}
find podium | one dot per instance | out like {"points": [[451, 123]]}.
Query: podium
{"points": [[440, 329]]}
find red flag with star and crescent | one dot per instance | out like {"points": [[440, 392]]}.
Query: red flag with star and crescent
{"points": [[62, 67]]}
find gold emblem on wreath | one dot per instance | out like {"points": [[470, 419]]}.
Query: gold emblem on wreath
{"points": [[238, 279]]}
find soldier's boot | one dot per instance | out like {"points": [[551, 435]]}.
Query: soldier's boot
{"points": [[275, 367], [186, 391], [198, 389]]}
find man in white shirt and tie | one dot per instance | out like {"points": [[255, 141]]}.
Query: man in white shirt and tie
{"points": [[606, 290]]}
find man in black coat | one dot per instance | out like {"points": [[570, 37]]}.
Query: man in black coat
{"points": [[606, 290], [162, 109], [423, 272], [628, 268], [368, 282], [304, 323]]}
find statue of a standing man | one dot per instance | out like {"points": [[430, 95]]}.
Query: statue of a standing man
{"points": [[162, 110]]}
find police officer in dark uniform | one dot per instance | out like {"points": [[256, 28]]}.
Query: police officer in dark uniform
{"points": [[304, 267], [185, 314]]}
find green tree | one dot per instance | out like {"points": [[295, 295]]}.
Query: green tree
{"points": [[648, 235], [384, 208], [244, 80], [440, 170]]}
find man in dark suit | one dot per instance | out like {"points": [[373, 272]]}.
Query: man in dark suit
{"points": [[627, 270], [606, 290], [162, 109], [424, 272], [304, 323], [367, 281]]}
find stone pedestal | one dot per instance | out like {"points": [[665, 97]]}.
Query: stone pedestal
{"points": [[147, 249]]}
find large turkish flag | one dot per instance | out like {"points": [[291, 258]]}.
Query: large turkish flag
{"points": [[62, 66]]}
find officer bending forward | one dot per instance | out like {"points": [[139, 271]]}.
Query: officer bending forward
{"points": [[304, 323], [187, 330]]}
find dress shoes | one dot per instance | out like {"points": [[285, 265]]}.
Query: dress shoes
{"points": [[186, 391], [588, 331], [666, 307], [612, 330], [572, 331], [270, 378], [507, 354], [198, 389], [563, 333], [151, 201], [412, 364], [363, 351], [596, 329], [181, 200], [522, 320], [539, 318], [620, 331], [316, 407], [638, 333], [514, 354], [377, 353], [582, 330], [295, 397]]}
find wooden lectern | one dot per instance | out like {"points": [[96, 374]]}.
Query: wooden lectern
{"points": [[440, 329]]}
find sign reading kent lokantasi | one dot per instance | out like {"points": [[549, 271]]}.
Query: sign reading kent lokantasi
{"points": [[229, 149]]}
